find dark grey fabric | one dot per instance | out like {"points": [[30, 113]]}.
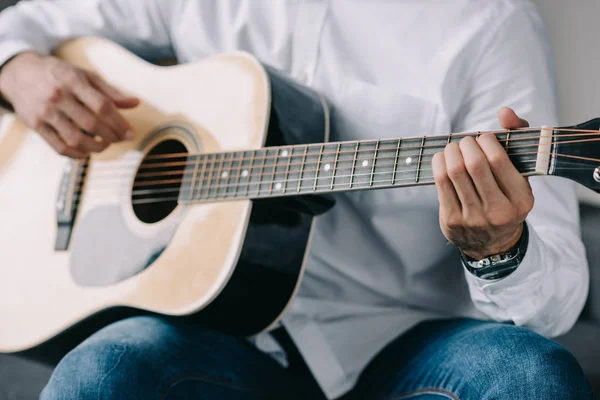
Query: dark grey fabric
{"points": [[590, 228]]}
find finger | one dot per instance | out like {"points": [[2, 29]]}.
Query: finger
{"points": [[120, 99], [509, 120], [104, 109], [510, 181], [448, 199], [73, 136], [457, 172], [51, 137], [479, 170], [87, 121]]}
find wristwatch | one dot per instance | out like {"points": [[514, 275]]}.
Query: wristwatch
{"points": [[501, 265]]}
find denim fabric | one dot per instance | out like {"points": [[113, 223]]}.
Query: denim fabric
{"points": [[155, 358]]}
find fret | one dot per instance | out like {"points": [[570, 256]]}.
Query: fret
{"points": [[335, 165], [223, 174], [214, 180], [318, 168], [354, 164], [238, 173], [281, 169], [420, 159], [373, 164], [343, 169], [326, 167], [407, 161], [302, 170], [507, 140], [396, 161], [185, 181], [232, 170], [449, 139], [274, 171], [287, 169], [201, 179], [262, 171], [204, 187], [193, 182], [383, 163], [524, 155], [248, 172], [432, 145]]}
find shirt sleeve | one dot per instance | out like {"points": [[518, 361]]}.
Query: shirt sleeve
{"points": [[513, 67], [142, 26]]}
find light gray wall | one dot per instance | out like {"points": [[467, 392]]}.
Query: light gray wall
{"points": [[574, 30]]}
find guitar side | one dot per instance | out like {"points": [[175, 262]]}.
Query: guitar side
{"points": [[200, 262]]}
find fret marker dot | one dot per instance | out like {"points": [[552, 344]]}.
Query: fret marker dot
{"points": [[284, 153], [408, 160], [365, 163], [278, 186], [225, 174], [327, 167], [245, 173]]}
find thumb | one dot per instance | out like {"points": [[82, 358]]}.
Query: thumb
{"points": [[509, 120], [121, 100]]}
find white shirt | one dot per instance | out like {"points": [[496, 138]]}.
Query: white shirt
{"points": [[379, 263]]}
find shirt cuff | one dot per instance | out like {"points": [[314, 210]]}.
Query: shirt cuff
{"points": [[531, 267], [11, 48]]}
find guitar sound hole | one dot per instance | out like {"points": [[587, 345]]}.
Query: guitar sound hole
{"points": [[158, 181]]}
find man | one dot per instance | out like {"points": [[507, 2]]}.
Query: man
{"points": [[386, 308]]}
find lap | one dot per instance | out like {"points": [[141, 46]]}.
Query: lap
{"points": [[470, 359], [156, 358]]}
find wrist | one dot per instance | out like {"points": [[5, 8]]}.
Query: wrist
{"points": [[9, 69], [503, 245], [498, 265]]}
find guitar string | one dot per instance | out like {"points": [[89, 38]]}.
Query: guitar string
{"points": [[257, 185], [290, 156], [394, 140], [358, 186], [188, 162], [76, 201], [230, 170], [311, 179]]}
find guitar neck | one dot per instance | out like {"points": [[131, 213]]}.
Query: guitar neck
{"points": [[339, 166]]}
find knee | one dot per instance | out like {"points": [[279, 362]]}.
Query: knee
{"points": [[529, 366], [550, 371], [102, 368]]}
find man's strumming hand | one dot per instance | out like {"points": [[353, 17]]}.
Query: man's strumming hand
{"points": [[59, 100]]}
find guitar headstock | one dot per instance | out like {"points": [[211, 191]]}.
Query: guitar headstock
{"points": [[576, 153]]}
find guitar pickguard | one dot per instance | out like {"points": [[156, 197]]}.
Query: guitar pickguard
{"points": [[104, 251]]}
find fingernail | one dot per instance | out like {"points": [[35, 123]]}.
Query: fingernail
{"points": [[129, 135]]}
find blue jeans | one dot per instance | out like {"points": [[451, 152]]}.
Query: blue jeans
{"points": [[153, 358]]}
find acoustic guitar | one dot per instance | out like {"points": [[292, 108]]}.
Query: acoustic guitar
{"points": [[207, 214]]}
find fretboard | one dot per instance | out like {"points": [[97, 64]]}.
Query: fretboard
{"points": [[329, 167]]}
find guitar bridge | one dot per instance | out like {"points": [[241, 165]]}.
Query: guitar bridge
{"points": [[67, 202]]}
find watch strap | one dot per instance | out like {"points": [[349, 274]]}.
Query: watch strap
{"points": [[501, 265]]}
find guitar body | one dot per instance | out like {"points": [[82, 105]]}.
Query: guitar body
{"points": [[232, 266]]}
